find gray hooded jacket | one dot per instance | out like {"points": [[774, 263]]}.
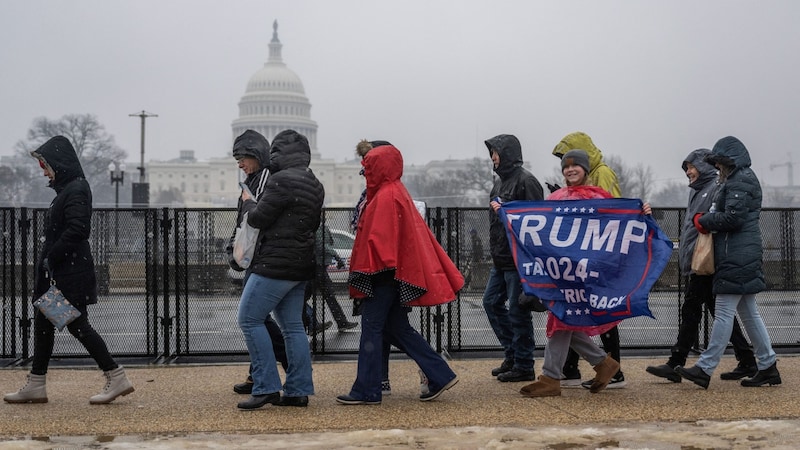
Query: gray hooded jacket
{"points": [[700, 197]]}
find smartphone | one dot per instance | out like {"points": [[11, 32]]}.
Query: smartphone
{"points": [[247, 189]]}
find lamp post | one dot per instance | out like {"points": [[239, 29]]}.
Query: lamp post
{"points": [[117, 171], [141, 190]]}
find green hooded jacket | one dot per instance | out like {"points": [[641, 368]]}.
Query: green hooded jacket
{"points": [[600, 174]]}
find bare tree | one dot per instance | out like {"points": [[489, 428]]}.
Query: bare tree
{"points": [[634, 181], [172, 197], [674, 194], [465, 187], [96, 149]]}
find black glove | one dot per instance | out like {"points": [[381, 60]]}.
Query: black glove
{"points": [[357, 306], [531, 302], [340, 264], [234, 265], [552, 187]]}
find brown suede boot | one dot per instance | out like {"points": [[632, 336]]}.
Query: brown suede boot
{"points": [[605, 371], [544, 387]]}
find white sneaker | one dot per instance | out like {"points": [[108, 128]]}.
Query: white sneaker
{"points": [[423, 383], [570, 382]]}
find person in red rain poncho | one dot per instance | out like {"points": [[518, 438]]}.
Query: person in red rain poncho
{"points": [[396, 262]]}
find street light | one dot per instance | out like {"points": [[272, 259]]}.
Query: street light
{"points": [[117, 171], [117, 177]]}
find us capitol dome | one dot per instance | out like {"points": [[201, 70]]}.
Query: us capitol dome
{"points": [[275, 100]]}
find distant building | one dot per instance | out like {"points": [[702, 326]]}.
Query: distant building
{"points": [[274, 100]]}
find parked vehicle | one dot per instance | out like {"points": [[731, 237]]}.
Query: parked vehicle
{"points": [[343, 246]]}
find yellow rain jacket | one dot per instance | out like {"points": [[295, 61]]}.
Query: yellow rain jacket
{"points": [[600, 174]]}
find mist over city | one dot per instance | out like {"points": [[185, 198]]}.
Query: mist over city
{"points": [[648, 82]]}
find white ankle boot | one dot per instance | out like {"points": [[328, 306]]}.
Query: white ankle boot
{"points": [[117, 384], [34, 391]]}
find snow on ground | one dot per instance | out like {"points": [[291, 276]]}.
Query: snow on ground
{"points": [[748, 434]]}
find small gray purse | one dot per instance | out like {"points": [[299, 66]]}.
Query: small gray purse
{"points": [[58, 310]]}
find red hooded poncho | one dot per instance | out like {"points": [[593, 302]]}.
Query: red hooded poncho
{"points": [[391, 234], [577, 193]]}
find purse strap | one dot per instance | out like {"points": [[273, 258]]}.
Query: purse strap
{"points": [[47, 275]]}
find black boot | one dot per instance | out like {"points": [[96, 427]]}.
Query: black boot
{"points": [[301, 401], [768, 376], [695, 375], [507, 365], [664, 371], [515, 375], [244, 388], [741, 371], [257, 401]]}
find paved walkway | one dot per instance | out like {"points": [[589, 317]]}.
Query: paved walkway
{"points": [[183, 399]]}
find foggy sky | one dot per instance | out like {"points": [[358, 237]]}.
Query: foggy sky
{"points": [[648, 80]]}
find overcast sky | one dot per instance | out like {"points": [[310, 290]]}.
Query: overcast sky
{"points": [[648, 80]]}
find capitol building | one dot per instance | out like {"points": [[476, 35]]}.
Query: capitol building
{"points": [[274, 100]]}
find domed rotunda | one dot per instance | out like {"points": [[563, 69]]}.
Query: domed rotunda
{"points": [[275, 100]]}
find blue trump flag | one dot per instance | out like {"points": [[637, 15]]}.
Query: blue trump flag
{"points": [[590, 261]]}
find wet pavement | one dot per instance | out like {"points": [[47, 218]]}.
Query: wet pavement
{"points": [[193, 406]]}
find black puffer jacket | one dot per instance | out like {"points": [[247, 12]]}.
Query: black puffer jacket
{"points": [[249, 143], [67, 227], [514, 183], [735, 222], [288, 212]]}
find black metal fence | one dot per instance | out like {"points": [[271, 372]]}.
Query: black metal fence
{"points": [[166, 290]]}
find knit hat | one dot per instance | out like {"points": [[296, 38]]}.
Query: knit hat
{"points": [[576, 157]]}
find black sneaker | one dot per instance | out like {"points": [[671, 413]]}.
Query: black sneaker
{"points": [[320, 327], [740, 372], [386, 387], [346, 326], [617, 382], [507, 365], [664, 371], [347, 400], [514, 375]]}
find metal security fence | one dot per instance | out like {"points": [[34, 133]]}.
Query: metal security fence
{"points": [[166, 290]]}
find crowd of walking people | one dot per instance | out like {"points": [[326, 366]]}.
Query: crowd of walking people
{"points": [[396, 264]]}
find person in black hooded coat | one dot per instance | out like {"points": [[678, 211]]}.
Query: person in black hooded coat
{"points": [[66, 260], [511, 323], [287, 216], [251, 151]]}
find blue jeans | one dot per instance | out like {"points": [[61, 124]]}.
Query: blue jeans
{"points": [[512, 325], [262, 296], [384, 316], [726, 307]]}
